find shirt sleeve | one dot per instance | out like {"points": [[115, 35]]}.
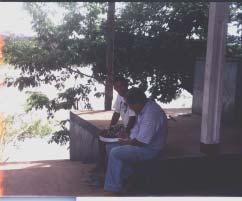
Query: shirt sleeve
{"points": [[148, 126], [116, 105], [131, 112]]}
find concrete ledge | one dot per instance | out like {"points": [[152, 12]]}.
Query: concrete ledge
{"points": [[84, 124], [183, 138], [212, 176], [83, 140]]}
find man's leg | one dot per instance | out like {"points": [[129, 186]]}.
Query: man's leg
{"points": [[98, 173], [119, 164], [104, 150], [101, 163], [110, 146]]}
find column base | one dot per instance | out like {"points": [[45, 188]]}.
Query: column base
{"points": [[209, 149]]}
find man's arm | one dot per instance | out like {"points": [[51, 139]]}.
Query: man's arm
{"points": [[114, 121], [148, 126], [130, 124], [133, 142], [115, 118]]}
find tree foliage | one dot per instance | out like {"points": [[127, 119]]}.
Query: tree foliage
{"points": [[158, 42], [149, 38], [15, 128], [57, 54], [235, 42]]}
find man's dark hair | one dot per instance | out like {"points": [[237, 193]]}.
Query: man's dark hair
{"points": [[120, 79], [135, 96]]}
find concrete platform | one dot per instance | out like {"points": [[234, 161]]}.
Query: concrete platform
{"points": [[182, 169], [71, 178]]}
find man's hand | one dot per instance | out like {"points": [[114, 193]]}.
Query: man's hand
{"points": [[122, 134], [125, 141], [129, 141]]}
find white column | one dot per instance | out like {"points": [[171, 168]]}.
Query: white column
{"points": [[215, 59]]}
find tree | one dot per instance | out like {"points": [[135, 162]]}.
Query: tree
{"points": [[235, 42], [150, 38], [57, 53], [109, 56], [161, 41], [155, 44]]}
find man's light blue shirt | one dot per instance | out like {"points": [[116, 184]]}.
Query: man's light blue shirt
{"points": [[150, 127]]}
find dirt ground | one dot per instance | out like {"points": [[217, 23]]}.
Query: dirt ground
{"points": [[69, 178], [47, 178]]}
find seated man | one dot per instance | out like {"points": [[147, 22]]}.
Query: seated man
{"points": [[120, 109], [147, 139]]}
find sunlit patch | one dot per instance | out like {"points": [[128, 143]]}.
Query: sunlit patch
{"points": [[45, 166], [18, 166]]}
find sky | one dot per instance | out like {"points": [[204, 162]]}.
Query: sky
{"points": [[14, 19]]}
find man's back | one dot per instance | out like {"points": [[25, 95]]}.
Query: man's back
{"points": [[151, 126]]}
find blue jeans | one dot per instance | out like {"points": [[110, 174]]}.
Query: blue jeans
{"points": [[120, 159]]}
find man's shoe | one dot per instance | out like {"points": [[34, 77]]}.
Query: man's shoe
{"points": [[96, 181]]}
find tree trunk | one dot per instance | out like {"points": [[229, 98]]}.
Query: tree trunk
{"points": [[109, 56]]}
